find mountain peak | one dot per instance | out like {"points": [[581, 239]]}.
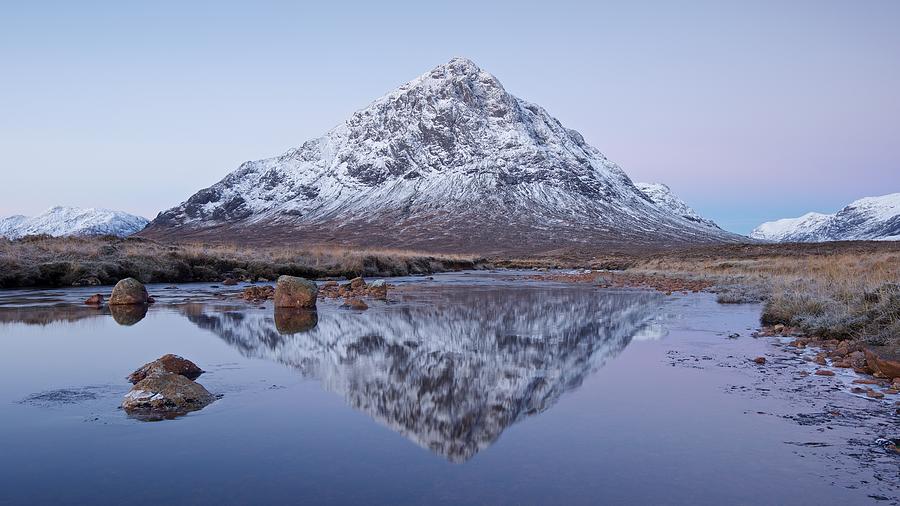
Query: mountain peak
{"points": [[72, 221], [449, 161], [869, 218], [460, 65]]}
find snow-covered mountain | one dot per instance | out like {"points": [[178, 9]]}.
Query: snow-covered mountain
{"points": [[448, 161], [869, 218], [663, 197], [65, 221]]}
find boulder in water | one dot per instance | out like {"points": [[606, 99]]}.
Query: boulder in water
{"points": [[167, 364], [94, 300], [165, 396], [291, 291], [129, 291]]}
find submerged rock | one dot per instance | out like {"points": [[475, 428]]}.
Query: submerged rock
{"points": [[291, 291], [255, 293], [167, 364], [356, 304], [129, 291], [94, 300], [165, 396]]}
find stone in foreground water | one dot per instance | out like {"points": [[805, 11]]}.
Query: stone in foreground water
{"points": [[129, 291], [291, 291]]}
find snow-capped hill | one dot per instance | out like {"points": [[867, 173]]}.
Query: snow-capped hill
{"points": [[448, 161], [662, 196], [783, 229], [869, 218], [72, 221]]}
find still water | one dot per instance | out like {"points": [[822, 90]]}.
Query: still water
{"points": [[471, 388]]}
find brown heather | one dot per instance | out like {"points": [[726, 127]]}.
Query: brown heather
{"points": [[51, 262], [835, 290], [841, 290]]}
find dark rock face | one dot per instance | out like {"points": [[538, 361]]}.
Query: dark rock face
{"points": [[294, 292], [165, 396], [447, 162], [167, 364], [129, 291]]}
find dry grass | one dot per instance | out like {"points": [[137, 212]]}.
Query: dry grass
{"points": [[843, 290], [47, 261], [840, 293]]}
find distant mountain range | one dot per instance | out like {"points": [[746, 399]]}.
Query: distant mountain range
{"points": [[72, 221], [870, 218], [447, 162]]}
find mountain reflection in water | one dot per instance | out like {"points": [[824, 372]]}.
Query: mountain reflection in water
{"points": [[450, 372]]}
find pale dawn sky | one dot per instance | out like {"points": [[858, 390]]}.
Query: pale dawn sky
{"points": [[750, 111]]}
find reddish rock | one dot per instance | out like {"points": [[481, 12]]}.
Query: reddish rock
{"points": [[94, 300], [824, 372], [357, 283], [291, 291], [760, 360], [167, 364], [874, 394], [257, 293], [356, 304], [881, 362], [378, 289], [229, 282], [866, 381]]}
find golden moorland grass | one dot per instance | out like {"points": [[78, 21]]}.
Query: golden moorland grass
{"points": [[849, 290], [842, 290], [49, 261]]}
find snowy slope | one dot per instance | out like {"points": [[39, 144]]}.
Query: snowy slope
{"points": [[870, 218], [448, 161], [65, 221], [663, 197]]}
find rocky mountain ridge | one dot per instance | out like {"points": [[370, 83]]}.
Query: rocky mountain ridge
{"points": [[447, 162], [72, 221], [869, 218]]}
